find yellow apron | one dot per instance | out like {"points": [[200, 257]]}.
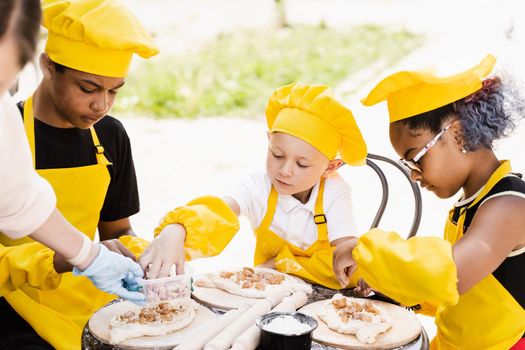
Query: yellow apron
{"points": [[314, 263], [59, 315], [487, 313]]}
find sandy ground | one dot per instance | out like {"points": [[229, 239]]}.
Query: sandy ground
{"points": [[177, 160]]}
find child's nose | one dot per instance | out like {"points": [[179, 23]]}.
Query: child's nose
{"points": [[415, 176], [286, 169]]}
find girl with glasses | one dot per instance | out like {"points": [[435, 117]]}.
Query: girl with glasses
{"points": [[472, 281]]}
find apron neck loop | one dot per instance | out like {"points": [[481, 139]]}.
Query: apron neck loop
{"points": [[319, 217], [503, 170], [270, 211], [29, 126], [496, 176]]}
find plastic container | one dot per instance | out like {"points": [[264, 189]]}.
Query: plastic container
{"points": [[286, 330], [168, 288]]}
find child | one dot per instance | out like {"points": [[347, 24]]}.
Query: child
{"points": [[27, 201], [86, 157], [444, 129], [300, 209]]}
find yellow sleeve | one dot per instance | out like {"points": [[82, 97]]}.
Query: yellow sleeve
{"points": [[30, 263], [318, 268], [209, 222], [135, 244], [413, 271], [426, 308]]}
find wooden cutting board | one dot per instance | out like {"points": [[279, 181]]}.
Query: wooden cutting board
{"points": [[99, 327], [405, 328]]}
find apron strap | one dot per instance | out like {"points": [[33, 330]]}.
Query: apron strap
{"points": [[29, 126], [319, 217], [99, 149], [503, 170], [270, 211], [499, 174]]}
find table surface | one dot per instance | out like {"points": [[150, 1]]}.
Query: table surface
{"points": [[89, 342]]}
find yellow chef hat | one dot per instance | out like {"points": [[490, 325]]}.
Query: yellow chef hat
{"points": [[94, 36], [411, 93], [311, 113]]}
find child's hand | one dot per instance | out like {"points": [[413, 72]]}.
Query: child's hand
{"points": [[165, 250], [343, 263], [362, 289]]}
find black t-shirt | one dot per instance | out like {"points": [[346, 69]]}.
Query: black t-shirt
{"points": [[69, 148]]}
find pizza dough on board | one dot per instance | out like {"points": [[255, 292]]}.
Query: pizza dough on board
{"points": [[227, 292], [99, 326], [405, 327]]}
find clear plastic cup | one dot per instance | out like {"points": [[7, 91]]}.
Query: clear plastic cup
{"points": [[168, 288]]}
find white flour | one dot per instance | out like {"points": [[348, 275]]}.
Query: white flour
{"points": [[287, 324]]}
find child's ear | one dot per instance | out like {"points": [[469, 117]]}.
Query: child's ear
{"points": [[333, 165], [47, 66], [457, 131]]}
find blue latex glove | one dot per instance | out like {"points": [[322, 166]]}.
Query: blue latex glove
{"points": [[114, 273]]}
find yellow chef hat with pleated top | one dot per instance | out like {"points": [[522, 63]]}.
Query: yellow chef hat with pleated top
{"points": [[311, 113], [409, 93], [94, 36]]}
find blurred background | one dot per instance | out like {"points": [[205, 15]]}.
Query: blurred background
{"points": [[195, 113]]}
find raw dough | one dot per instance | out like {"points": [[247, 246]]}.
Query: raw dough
{"points": [[361, 317], [256, 282], [151, 320]]}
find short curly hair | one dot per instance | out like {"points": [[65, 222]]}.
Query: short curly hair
{"points": [[486, 115]]}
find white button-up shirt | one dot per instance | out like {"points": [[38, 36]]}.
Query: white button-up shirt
{"points": [[293, 220], [26, 199]]}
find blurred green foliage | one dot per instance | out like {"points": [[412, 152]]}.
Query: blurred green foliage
{"points": [[237, 72]]}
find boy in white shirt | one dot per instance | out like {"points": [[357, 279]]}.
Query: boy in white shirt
{"points": [[300, 209]]}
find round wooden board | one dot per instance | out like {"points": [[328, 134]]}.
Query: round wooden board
{"points": [[405, 328], [220, 299], [99, 327]]}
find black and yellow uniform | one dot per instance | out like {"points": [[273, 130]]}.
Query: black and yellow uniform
{"points": [[510, 274], [72, 148], [69, 148]]}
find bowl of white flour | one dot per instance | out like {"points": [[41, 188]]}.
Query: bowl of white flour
{"points": [[286, 330]]}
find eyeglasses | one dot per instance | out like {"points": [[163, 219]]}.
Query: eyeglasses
{"points": [[412, 164]]}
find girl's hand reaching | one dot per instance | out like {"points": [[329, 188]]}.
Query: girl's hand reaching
{"points": [[165, 250]]}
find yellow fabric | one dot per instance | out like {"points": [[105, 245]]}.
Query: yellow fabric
{"points": [[59, 315], [410, 271], [209, 222], [94, 36], [409, 93], [136, 245], [313, 264], [30, 264], [311, 113]]}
